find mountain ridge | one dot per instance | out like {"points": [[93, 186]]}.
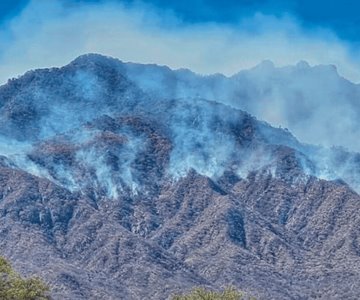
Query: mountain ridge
{"points": [[108, 191]]}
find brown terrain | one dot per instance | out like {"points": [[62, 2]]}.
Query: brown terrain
{"points": [[107, 192]]}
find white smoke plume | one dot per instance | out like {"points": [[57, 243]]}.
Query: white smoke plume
{"points": [[315, 103]]}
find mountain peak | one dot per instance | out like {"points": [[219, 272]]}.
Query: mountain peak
{"points": [[93, 57], [303, 64], [265, 65]]}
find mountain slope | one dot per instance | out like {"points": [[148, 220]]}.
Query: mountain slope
{"points": [[109, 190]]}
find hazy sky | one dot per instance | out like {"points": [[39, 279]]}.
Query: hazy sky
{"points": [[205, 36]]}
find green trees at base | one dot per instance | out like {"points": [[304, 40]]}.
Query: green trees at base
{"points": [[14, 287], [202, 294]]}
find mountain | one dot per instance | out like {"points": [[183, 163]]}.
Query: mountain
{"points": [[115, 186], [315, 103]]}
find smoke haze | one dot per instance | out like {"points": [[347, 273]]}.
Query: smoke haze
{"points": [[53, 32], [311, 97]]}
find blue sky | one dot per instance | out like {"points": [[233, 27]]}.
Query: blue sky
{"points": [[240, 33], [341, 16], [9, 8]]}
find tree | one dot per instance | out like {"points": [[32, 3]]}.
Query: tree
{"points": [[202, 294], [14, 287]]}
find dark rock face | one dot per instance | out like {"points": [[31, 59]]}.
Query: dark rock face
{"points": [[110, 193]]}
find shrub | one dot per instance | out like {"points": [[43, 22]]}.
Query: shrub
{"points": [[203, 294], [14, 287]]}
